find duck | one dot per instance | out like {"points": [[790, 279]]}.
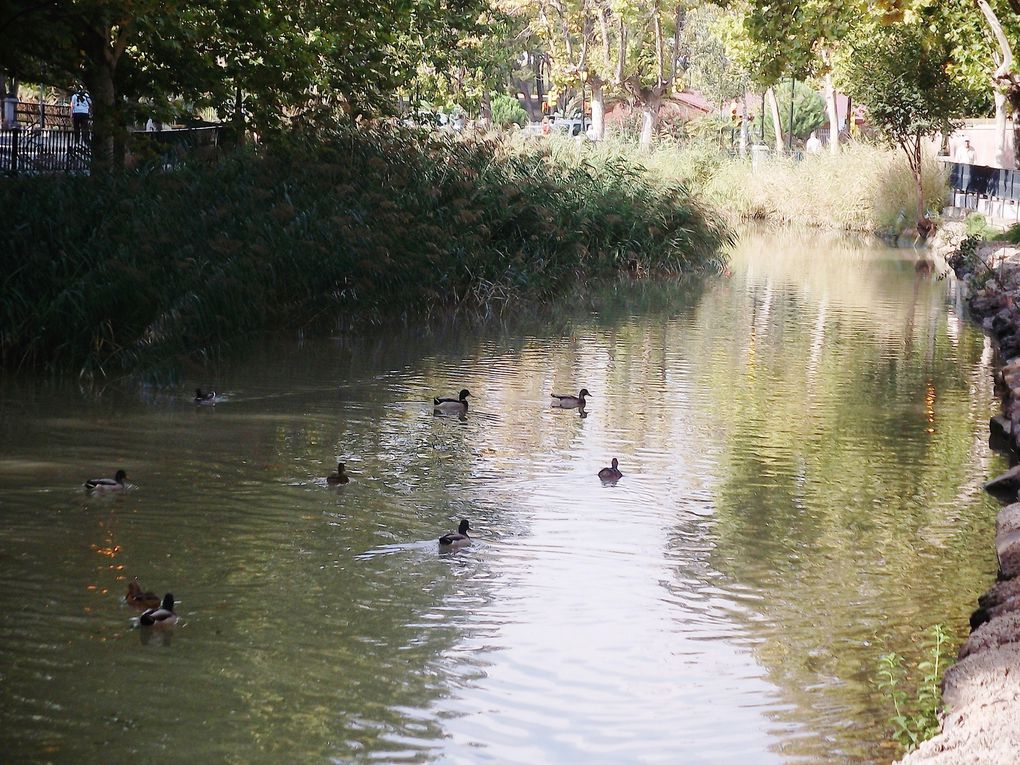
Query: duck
{"points": [[457, 405], [160, 617], [611, 473], [139, 599], [570, 402], [207, 399], [107, 484], [339, 477], [455, 541]]}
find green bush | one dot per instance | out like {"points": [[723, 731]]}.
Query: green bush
{"points": [[1011, 235], [118, 273], [507, 111]]}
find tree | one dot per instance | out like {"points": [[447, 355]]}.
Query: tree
{"points": [[808, 111], [637, 49], [801, 38], [507, 111], [902, 74], [265, 63]]}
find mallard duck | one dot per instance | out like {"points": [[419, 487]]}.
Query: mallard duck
{"points": [[457, 405], [339, 477], [456, 540], [570, 402], [163, 616], [611, 473], [207, 399], [107, 484], [139, 599]]}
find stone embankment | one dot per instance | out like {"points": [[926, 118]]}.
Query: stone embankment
{"points": [[981, 692]]}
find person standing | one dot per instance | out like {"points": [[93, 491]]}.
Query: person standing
{"points": [[81, 109], [814, 143], [965, 153]]}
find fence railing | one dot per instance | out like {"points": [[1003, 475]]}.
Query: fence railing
{"points": [[993, 191], [43, 116], [34, 151]]}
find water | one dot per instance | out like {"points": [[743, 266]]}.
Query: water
{"points": [[802, 443]]}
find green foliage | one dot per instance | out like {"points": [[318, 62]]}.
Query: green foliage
{"points": [[808, 112], [119, 272], [915, 719], [902, 74], [965, 260], [266, 64], [977, 225], [1011, 235], [507, 110], [863, 188], [790, 36]]}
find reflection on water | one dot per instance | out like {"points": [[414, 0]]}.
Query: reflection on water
{"points": [[802, 447]]}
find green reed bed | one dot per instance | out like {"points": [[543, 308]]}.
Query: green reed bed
{"points": [[863, 188], [113, 274]]}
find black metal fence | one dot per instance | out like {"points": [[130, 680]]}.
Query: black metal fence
{"points": [[989, 190], [33, 151]]}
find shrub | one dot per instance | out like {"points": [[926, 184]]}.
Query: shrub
{"points": [[110, 274], [507, 111], [915, 718]]}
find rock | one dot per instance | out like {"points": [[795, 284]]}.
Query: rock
{"points": [[982, 676], [1008, 519], [1005, 486], [1007, 549], [998, 632], [1000, 425], [1000, 592]]}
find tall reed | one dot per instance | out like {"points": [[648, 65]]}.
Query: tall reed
{"points": [[863, 188], [117, 273]]}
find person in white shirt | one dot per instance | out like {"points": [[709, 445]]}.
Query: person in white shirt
{"points": [[81, 109], [814, 144], [965, 152]]}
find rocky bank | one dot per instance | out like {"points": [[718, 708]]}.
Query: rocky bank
{"points": [[981, 692]]}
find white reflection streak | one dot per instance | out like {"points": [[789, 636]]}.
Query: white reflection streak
{"points": [[817, 340]]}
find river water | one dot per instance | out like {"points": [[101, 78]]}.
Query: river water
{"points": [[803, 445]]}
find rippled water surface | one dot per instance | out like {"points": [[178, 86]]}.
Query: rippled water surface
{"points": [[802, 444]]}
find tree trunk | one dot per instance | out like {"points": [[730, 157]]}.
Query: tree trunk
{"points": [[101, 84], [598, 110], [1000, 129], [534, 112], [770, 96], [649, 120], [485, 110], [238, 116], [830, 104], [915, 155]]}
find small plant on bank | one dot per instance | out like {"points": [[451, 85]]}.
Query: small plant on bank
{"points": [[915, 716], [1011, 235]]}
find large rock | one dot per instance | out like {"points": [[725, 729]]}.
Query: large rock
{"points": [[1006, 485], [994, 634], [1000, 593], [1008, 519]]}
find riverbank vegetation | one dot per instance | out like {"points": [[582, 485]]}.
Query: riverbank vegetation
{"points": [[864, 188], [123, 271], [915, 715]]}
